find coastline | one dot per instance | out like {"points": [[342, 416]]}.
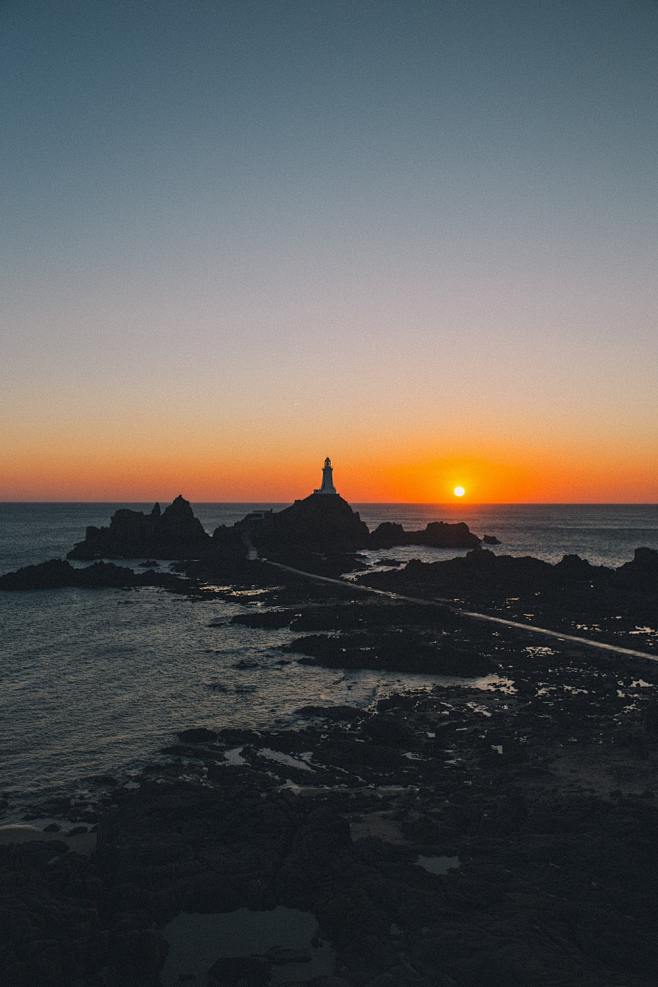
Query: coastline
{"points": [[409, 832]]}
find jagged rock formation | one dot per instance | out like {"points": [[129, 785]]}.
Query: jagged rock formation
{"points": [[174, 533], [436, 534], [320, 523]]}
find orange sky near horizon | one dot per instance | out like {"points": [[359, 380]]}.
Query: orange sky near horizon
{"points": [[144, 471], [419, 238]]}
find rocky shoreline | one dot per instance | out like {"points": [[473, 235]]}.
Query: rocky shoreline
{"points": [[458, 837]]}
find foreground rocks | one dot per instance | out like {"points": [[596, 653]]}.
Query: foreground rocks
{"points": [[455, 837], [451, 838]]}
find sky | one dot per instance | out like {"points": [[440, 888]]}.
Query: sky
{"points": [[418, 236]]}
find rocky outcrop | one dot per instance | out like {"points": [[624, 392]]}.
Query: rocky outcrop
{"points": [[642, 572], [436, 534], [411, 652], [174, 533], [319, 523], [481, 573], [57, 574], [616, 605]]}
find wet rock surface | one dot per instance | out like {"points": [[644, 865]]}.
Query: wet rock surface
{"points": [[403, 650], [617, 605]]}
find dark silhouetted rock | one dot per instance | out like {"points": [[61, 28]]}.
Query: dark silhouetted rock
{"points": [[57, 574], [46, 575], [490, 540], [413, 651], [173, 534], [437, 534], [643, 570], [319, 523], [573, 567]]}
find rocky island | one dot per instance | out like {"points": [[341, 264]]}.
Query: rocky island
{"points": [[322, 523]]}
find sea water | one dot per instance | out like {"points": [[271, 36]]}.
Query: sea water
{"points": [[97, 681]]}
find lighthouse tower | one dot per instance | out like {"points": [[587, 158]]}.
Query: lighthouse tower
{"points": [[327, 479]]}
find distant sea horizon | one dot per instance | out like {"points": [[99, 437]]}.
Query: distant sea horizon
{"points": [[364, 503]]}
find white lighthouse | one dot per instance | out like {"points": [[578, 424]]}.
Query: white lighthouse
{"points": [[327, 479]]}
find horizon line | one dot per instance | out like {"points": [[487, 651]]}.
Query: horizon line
{"points": [[402, 503]]}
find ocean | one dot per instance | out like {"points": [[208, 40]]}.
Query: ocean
{"points": [[98, 681]]}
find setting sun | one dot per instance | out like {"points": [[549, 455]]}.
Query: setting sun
{"points": [[459, 491]]}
